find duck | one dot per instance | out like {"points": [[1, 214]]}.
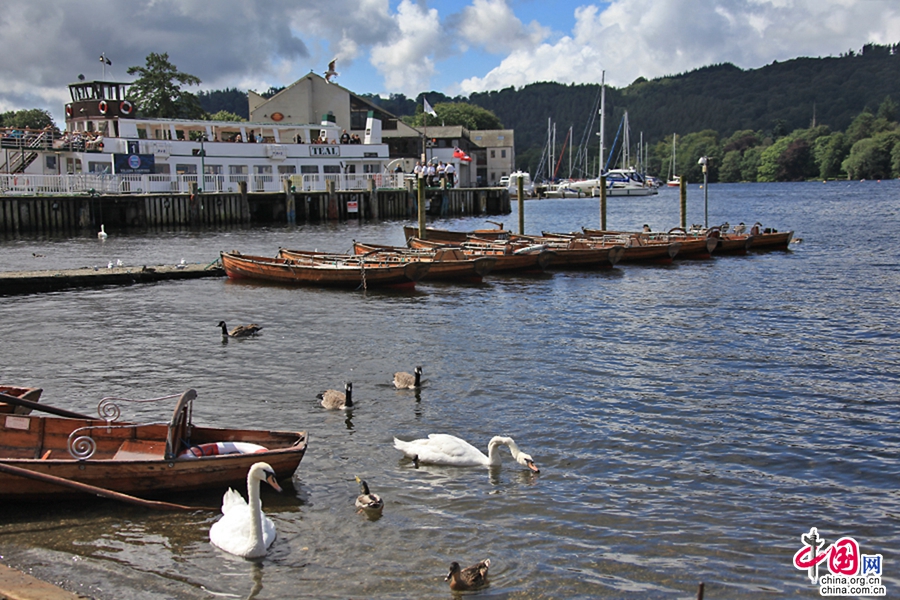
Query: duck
{"points": [[102, 233], [740, 228], [243, 529], [406, 381], [367, 501], [335, 400], [469, 578], [444, 449], [240, 331]]}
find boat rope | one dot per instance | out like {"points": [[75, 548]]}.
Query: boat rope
{"points": [[362, 269]]}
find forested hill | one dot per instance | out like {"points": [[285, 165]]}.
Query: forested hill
{"points": [[777, 98]]}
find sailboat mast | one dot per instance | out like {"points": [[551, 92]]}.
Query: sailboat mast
{"points": [[602, 117]]}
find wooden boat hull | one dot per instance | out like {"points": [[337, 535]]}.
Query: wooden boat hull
{"points": [[129, 458], [777, 240], [576, 253], [692, 246], [25, 393], [651, 253], [508, 261], [433, 234], [728, 243], [317, 270], [447, 264]]}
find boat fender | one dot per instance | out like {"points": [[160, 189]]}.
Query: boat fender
{"points": [[221, 448], [102, 106], [531, 249], [68, 110], [126, 107]]}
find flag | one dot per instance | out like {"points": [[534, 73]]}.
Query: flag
{"points": [[457, 153], [428, 108], [103, 59]]}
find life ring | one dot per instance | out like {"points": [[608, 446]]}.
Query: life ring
{"points": [[221, 448], [102, 107], [68, 110], [126, 107]]}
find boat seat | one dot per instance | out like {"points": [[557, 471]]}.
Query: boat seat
{"points": [[141, 450]]}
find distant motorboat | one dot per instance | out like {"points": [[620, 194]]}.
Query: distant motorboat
{"points": [[511, 182], [619, 182]]}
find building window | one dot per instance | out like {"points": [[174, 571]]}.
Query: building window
{"points": [[331, 168], [186, 169], [503, 154], [287, 169], [493, 154], [309, 169]]}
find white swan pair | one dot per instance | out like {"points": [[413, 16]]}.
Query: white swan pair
{"points": [[443, 449], [243, 529]]}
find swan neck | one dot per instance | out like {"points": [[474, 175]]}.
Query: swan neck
{"points": [[494, 449], [255, 511]]}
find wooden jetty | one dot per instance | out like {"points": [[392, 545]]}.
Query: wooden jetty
{"points": [[30, 282]]}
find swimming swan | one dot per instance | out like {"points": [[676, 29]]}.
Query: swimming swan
{"points": [[405, 381], [243, 529], [102, 233], [443, 449]]}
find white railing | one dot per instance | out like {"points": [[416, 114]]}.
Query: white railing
{"points": [[85, 183]]}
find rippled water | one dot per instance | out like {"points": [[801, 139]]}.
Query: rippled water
{"points": [[690, 421]]}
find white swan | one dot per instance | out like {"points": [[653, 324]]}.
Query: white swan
{"points": [[243, 529], [443, 449], [102, 233]]}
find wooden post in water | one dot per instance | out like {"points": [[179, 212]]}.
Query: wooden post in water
{"points": [[373, 201], [520, 190], [290, 204], [421, 195], [603, 202], [682, 192], [245, 202]]}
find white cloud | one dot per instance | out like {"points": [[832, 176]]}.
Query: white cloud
{"points": [[405, 59], [492, 25]]}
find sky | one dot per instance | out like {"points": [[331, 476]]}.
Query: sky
{"points": [[456, 47]]}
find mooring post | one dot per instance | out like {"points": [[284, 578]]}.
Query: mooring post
{"points": [[245, 202], [421, 196], [682, 192], [290, 204], [520, 190], [373, 201], [332, 209], [603, 202]]}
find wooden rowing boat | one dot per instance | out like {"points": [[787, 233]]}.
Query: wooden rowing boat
{"points": [[151, 460], [693, 245], [434, 234], [575, 253], [25, 393], [447, 264], [324, 270], [769, 239], [510, 259], [637, 247]]}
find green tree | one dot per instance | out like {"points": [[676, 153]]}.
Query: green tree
{"points": [[888, 109], [34, 118], [224, 115], [829, 152], [860, 128], [694, 145], [750, 163], [871, 158], [458, 113], [157, 90], [731, 167]]}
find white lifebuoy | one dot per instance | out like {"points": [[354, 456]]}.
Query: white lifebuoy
{"points": [[220, 448], [68, 110], [126, 107], [102, 107]]}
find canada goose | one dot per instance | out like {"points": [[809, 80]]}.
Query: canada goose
{"points": [[335, 400], [240, 331], [405, 381], [443, 449], [366, 501], [243, 529], [469, 578]]}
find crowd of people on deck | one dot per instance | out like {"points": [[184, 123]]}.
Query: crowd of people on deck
{"points": [[435, 172]]}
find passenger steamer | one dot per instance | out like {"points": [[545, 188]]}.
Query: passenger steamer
{"points": [[107, 143]]}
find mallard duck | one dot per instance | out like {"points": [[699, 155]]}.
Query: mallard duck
{"points": [[367, 501], [243, 529], [335, 400], [469, 578], [443, 449], [406, 381], [239, 331]]}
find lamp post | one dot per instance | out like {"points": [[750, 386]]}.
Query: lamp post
{"points": [[704, 160]]}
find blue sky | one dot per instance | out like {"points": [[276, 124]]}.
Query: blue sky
{"points": [[412, 46]]}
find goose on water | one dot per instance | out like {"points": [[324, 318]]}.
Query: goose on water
{"points": [[367, 501], [335, 400], [239, 331], [243, 529], [469, 578], [443, 449], [407, 381]]}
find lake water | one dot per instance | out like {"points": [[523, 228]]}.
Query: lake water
{"points": [[690, 421]]}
